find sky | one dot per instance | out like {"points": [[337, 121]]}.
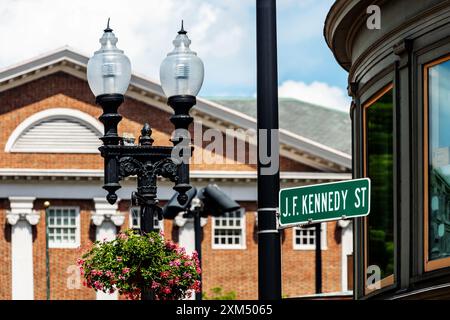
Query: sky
{"points": [[223, 33]]}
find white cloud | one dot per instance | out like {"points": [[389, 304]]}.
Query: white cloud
{"points": [[319, 93], [223, 33], [219, 31]]}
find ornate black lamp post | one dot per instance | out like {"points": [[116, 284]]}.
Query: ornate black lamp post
{"points": [[109, 74]]}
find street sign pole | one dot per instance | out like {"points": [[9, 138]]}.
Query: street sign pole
{"points": [[269, 244], [318, 258], [324, 202]]}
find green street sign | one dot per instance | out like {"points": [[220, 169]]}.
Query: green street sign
{"points": [[324, 202]]}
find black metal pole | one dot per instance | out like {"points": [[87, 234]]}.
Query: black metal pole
{"points": [[181, 120], [318, 258], [147, 225], [146, 197], [47, 252], [269, 246]]}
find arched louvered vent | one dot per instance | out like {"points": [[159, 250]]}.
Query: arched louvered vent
{"points": [[57, 133]]}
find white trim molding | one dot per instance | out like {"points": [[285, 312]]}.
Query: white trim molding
{"points": [[104, 211], [49, 114], [21, 217], [212, 175], [22, 209]]}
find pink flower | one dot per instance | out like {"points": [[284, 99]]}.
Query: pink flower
{"points": [[187, 263], [109, 273], [174, 263], [166, 290], [171, 245], [125, 270], [199, 271], [164, 274], [155, 285], [187, 275], [181, 250], [196, 286], [161, 233], [80, 261], [98, 285], [121, 277]]}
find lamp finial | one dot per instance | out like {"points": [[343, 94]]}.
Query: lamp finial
{"points": [[182, 31], [108, 29]]}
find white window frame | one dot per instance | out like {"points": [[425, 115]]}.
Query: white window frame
{"points": [[54, 245], [323, 242], [138, 226], [242, 245]]}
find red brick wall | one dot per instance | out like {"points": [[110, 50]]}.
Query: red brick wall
{"points": [[298, 266], [232, 270], [62, 90], [237, 270], [61, 259]]}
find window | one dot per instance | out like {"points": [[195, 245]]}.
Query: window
{"points": [[63, 227], [56, 130], [229, 230], [305, 237], [378, 166], [437, 165], [135, 220]]}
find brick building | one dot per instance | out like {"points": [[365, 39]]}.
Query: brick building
{"points": [[48, 152]]}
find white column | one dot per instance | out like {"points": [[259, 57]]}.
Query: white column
{"points": [[186, 231], [186, 235], [21, 217], [106, 218], [347, 249]]}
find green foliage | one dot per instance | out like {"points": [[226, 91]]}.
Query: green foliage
{"points": [[217, 294], [133, 262]]}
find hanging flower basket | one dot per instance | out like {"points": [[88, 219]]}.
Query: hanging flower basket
{"points": [[132, 263]]}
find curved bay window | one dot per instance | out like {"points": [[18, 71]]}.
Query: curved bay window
{"points": [[437, 164], [378, 166]]}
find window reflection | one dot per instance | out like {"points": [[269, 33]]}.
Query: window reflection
{"points": [[379, 168], [439, 163]]}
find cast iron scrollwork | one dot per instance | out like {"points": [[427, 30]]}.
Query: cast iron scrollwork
{"points": [[166, 168]]}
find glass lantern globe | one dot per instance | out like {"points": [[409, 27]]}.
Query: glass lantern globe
{"points": [[109, 70], [182, 71]]}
